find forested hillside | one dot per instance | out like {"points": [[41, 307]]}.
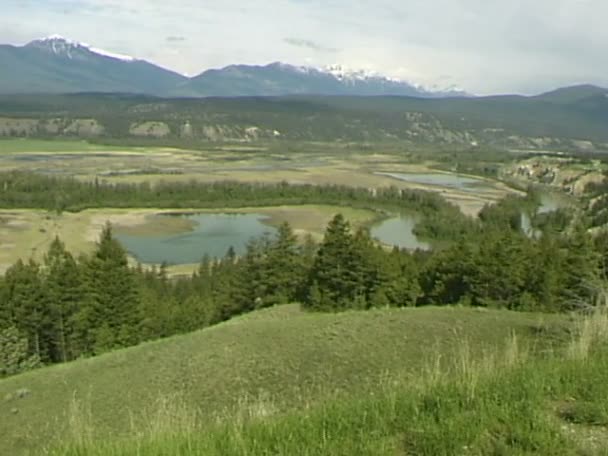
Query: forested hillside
{"points": [[563, 121]]}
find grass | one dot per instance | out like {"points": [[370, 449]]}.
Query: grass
{"points": [[28, 233], [279, 365], [39, 145], [508, 401]]}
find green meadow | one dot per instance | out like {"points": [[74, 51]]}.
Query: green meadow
{"points": [[264, 371]]}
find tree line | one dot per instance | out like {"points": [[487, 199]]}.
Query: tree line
{"points": [[439, 219]]}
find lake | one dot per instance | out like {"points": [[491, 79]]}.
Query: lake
{"points": [[399, 231], [214, 234]]}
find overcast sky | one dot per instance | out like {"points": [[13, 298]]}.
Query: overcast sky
{"points": [[483, 46]]}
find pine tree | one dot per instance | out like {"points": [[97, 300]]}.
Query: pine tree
{"points": [[401, 286], [14, 353], [446, 277], [581, 270], [337, 269], [65, 294], [285, 268], [114, 313], [252, 285], [27, 306], [500, 269]]}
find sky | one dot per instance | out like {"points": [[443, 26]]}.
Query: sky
{"points": [[482, 46]]}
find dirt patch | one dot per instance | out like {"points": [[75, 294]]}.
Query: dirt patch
{"points": [[124, 220]]}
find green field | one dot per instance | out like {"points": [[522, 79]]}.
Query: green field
{"points": [[40, 145], [262, 364], [505, 402]]}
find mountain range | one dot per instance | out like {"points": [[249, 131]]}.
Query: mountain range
{"points": [[59, 65]]}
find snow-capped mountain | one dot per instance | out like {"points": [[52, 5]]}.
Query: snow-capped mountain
{"points": [[59, 65], [284, 79], [61, 46]]}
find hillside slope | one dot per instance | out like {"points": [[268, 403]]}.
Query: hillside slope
{"points": [[261, 363], [512, 122], [56, 65]]}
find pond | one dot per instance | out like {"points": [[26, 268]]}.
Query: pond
{"points": [[399, 231], [456, 181], [213, 234]]}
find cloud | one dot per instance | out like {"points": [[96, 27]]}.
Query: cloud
{"points": [[486, 47], [309, 44]]}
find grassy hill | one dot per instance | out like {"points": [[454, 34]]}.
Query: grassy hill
{"points": [[261, 364]]}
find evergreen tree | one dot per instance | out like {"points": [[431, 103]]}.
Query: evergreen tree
{"points": [[500, 269], [401, 287], [285, 268], [338, 269], [446, 277], [581, 270], [65, 295], [27, 307], [14, 353], [114, 315], [252, 286]]}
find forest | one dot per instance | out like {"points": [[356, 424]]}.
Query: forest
{"points": [[65, 308]]}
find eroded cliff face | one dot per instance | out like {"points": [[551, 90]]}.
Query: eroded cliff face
{"points": [[157, 121], [566, 174], [15, 127], [87, 128]]}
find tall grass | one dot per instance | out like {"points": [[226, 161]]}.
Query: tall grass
{"points": [[591, 330], [502, 403]]}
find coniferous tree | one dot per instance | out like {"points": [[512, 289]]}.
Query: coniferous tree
{"points": [[27, 306], [65, 297], [500, 271], [335, 272], [401, 287], [14, 353], [112, 296], [446, 277], [581, 270], [285, 267], [252, 286]]}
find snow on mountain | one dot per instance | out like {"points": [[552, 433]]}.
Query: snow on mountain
{"points": [[83, 67], [60, 45], [342, 73], [113, 55]]}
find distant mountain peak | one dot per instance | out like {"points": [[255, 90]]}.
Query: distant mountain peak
{"points": [[280, 78], [573, 93], [56, 37], [66, 47], [67, 66], [343, 72]]}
